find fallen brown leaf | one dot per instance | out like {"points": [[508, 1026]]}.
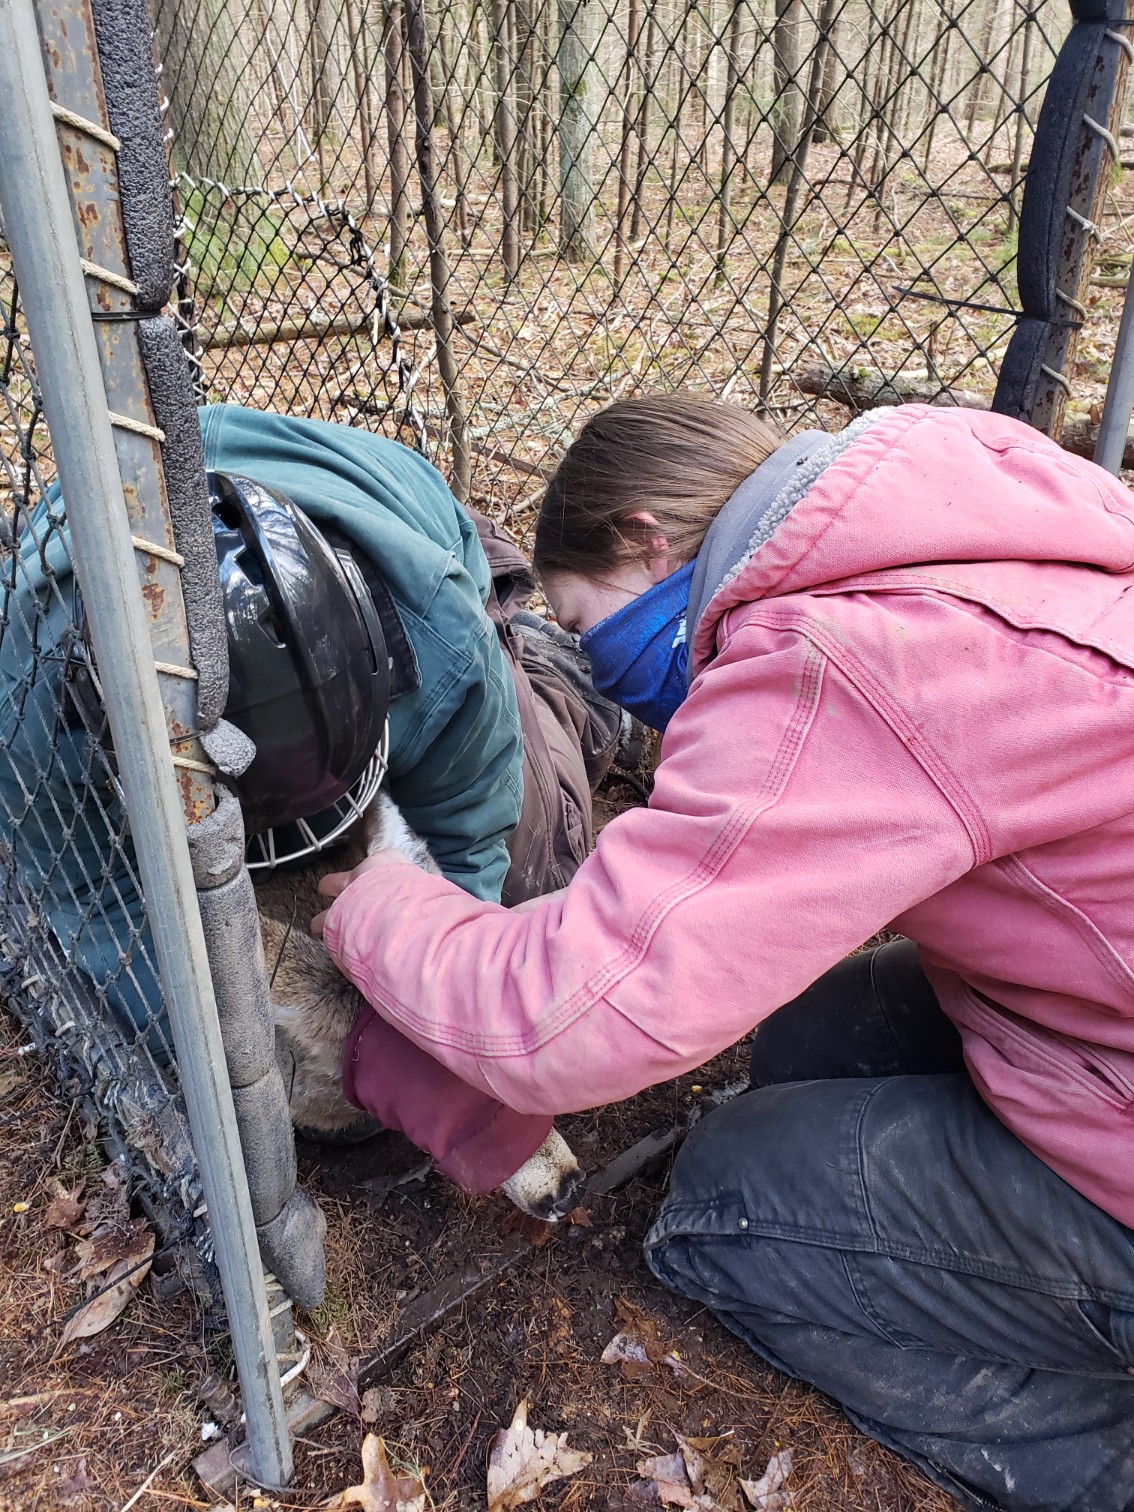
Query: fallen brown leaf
{"points": [[633, 1357], [74, 1487], [765, 1494], [378, 1402], [111, 1245], [381, 1490], [120, 1285], [111, 1206], [667, 1475], [65, 1208], [534, 1230], [691, 1477], [522, 1462]]}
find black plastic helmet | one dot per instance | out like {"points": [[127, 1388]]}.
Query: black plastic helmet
{"points": [[309, 674]]}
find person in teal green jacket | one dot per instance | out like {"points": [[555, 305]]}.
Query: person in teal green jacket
{"points": [[495, 734], [455, 742]]}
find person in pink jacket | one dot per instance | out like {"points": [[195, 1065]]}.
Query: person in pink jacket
{"points": [[895, 672]]}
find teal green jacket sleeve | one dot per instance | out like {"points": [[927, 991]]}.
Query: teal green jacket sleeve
{"points": [[455, 744]]}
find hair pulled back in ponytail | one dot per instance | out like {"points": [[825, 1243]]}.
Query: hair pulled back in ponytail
{"points": [[678, 456]]}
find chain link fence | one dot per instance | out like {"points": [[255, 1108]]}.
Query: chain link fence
{"points": [[474, 221], [156, 1014], [77, 962]]}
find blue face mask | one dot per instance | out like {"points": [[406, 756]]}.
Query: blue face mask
{"points": [[639, 655]]}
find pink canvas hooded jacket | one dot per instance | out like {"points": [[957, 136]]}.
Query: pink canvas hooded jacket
{"points": [[913, 706]]}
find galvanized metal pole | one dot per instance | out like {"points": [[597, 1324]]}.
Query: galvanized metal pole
{"points": [[40, 234], [1119, 403]]}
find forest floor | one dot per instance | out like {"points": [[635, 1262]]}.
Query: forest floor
{"points": [[916, 285], [113, 1421]]}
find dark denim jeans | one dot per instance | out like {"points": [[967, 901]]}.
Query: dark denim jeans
{"points": [[865, 1223]]}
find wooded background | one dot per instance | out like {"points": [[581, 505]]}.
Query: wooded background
{"points": [[802, 205]]}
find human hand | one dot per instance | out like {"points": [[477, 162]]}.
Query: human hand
{"points": [[335, 883]]}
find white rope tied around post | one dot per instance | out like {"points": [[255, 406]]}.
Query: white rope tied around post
{"points": [[139, 427], [1074, 304], [115, 280], [1106, 136], [91, 128], [190, 765], [162, 552], [1087, 225]]}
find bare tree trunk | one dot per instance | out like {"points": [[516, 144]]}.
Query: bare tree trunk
{"points": [[890, 109], [441, 307], [867, 67], [630, 74], [942, 44], [361, 71], [728, 148], [211, 138], [1005, 103], [523, 53], [282, 101], [502, 16], [976, 90], [578, 128], [882, 89], [458, 162], [791, 200], [483, 88], [901, 114], [1021, 125], [825, 126], [643, 125], [393, 49], [326, 78], [787, 111], [548, 113], [701, 84]]}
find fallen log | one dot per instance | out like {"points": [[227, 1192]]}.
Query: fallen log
{"points": [[859, 388], [316, 327]]}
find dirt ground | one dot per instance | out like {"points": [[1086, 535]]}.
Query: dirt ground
{"points": [[89, 1425]]}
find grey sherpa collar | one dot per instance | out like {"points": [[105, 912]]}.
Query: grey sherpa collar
{"points": [[751, 516]]}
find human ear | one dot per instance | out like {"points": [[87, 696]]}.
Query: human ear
{"points": [[656, 542]]}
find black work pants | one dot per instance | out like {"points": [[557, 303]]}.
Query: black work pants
{"points": [[867, 1224]]}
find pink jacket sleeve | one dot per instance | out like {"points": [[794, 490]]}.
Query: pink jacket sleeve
{"points": [[788, 824]]}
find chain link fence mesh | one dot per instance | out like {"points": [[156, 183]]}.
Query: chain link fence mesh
{"points": [[76, 962], [801, 205]]}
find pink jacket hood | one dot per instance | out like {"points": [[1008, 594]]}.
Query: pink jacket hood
{"points": [[912, 707]]}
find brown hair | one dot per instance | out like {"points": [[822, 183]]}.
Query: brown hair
{"points": [[676, 455]]}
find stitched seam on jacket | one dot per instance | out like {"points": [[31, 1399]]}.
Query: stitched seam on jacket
{"points": [[617, 969], [1061, 907], [785, 617], [999, 1024], [896, 581]]}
